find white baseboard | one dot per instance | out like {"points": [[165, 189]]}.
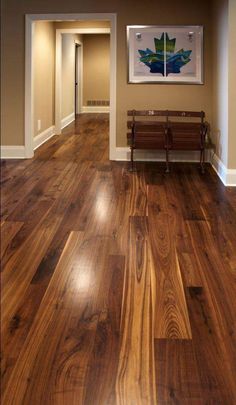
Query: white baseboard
{"points": [[67, 120], [96, 109], [13, 152], [44, 136], [227, 176], [123, 154]]}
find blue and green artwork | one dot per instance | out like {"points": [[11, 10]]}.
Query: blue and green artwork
{"points": [[164, 49]]}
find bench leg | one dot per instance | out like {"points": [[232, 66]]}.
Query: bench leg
{"points": [[202, 161], [167, 161], [132, 159]]}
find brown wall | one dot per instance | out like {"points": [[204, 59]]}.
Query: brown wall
{"points": [[96, 69], [128, 95], [44, 75]]}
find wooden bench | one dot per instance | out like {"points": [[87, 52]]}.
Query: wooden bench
{"points": [[163, 133]]}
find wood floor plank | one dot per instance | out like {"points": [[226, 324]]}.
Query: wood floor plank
{"points": [[136, 379], [138, 194], [29, 227], [217, 280], [177, 376], [189, 204], [222, 221], [85, 237], [20, 269], [14, 337], [47, 323], [103, 365], [18, 187], [216, 380], [190, 269], [8, 230], [74, 292], [171, 315], [189, 264], [220, 290]]}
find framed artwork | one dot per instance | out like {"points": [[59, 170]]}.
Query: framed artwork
{"points": [[165, 54]]}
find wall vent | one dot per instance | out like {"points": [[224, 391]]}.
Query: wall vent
{"points": [[98, 102]]}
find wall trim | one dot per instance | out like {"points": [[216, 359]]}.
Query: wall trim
{"points": [[123, 154], [67, 120], [13, 152], [96, 109], [44, 136], [227, 176], [84, 30]]}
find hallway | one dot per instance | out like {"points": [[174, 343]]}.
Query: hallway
{"points": [[118, 287]]}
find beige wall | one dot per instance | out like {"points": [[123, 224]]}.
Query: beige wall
{"points": [[44, 74], [44, 77], [128, 95], [220, 79], [96, 67], [160, 96], [181, 12], [224, 82], [232, 85]]}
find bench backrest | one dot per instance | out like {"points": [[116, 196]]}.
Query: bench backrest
{"points": [[166, 113]]}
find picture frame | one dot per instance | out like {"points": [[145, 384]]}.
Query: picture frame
{"points": [[165, 54]]}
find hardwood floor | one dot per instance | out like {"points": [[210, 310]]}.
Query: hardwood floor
{"points": [[117, 287]]}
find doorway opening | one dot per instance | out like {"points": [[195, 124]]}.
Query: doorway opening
{"points": [[78, 93]]}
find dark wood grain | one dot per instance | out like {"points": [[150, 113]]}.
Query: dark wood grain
{"points": [[8, 230], [171, 315], [177, 377], [117, 287], [217, 380], [136, 378], [103, 365]]}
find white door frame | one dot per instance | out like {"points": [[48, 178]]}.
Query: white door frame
{"points": [[58, 75], [59, 120], [29, 96], [78, 77]]}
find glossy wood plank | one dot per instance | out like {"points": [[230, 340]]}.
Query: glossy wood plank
{"points": [[8, 230], [216, 378], [217, 280], [190, 269], [136, 376], [94, 238], [138, 194], [18, 187], [20, 269], [189, 204], [171, 315], [14, 337], [48, 323], [177, 377], [103, 365], [220, 289]]}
